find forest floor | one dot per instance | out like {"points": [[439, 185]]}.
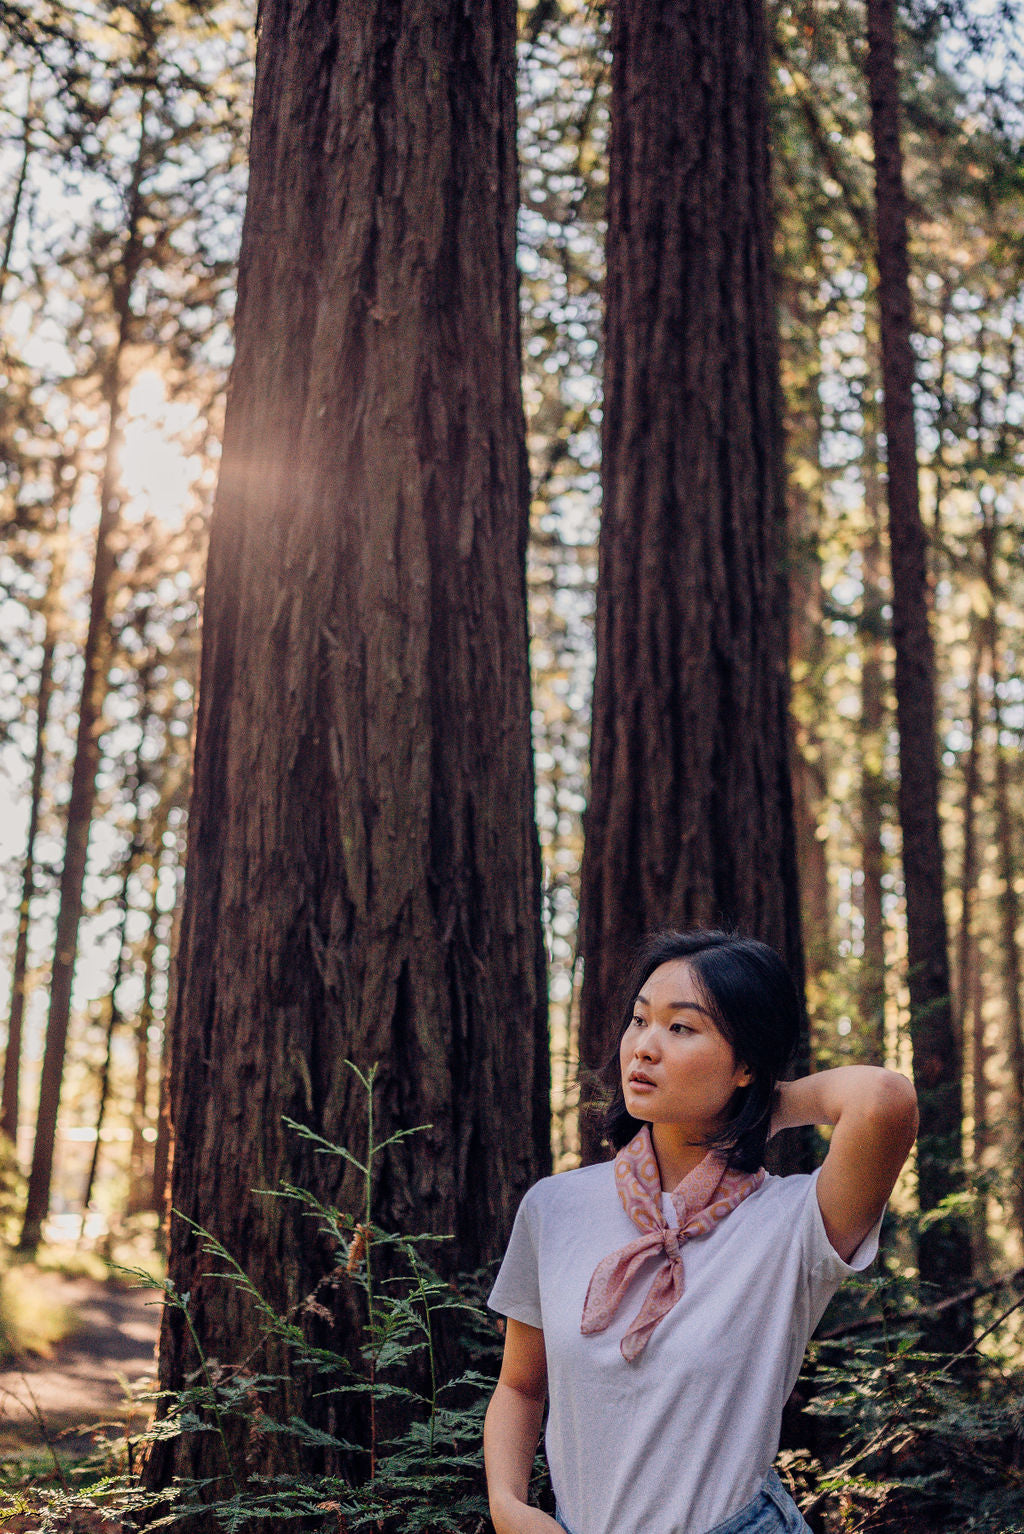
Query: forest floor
{"points": [[78, 1390]]}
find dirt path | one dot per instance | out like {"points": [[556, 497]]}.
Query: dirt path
{"points": [[83, 1383]]}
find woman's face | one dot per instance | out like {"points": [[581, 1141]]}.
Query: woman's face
{"points": [[677, 1068]]}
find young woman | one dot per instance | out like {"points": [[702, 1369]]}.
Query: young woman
{"points": [[663, 1301]]}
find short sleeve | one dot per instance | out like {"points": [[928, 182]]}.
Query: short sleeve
{"points": [[516, 1291], [823, 1261]]}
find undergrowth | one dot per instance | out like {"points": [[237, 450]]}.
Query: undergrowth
{"points": [[908, 1443]]}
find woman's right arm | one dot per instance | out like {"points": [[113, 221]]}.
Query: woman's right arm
{"points": [[511, 1430]]}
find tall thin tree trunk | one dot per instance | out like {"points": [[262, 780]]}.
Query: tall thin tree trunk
{"points": [[19, 185], [132, 856], [114, 1018], [873, 786], [140, 1179], [980, 1095], [363, 874], [810, 796], [968, 882], [968, 1009], [9, 1104], [690, 817], [90, 708], [1009, 923], [806, 650], [944, 1248], [983, 640], [163, 1145]]}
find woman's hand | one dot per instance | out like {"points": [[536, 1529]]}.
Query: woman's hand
{"points": [[874, 1117], [519, 1518]]}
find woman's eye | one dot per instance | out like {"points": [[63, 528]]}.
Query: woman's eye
{"points": [[681, 1028], [638, 1021]]}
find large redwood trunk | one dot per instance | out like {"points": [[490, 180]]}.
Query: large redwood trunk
{"points": [[944, 1248], [363, 870], [690, 817]]}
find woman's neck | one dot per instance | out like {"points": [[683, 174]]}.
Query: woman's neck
{"points": [[677, 1153]]}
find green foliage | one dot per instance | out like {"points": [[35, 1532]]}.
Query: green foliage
{"points": [[420, 1464], [919, 1442], [903, 1440]]}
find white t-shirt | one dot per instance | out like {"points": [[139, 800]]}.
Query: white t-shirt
{"points": [[678, 1440]]}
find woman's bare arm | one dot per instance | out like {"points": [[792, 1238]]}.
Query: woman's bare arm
{"points": [[874, 1117], [511, 1430]]}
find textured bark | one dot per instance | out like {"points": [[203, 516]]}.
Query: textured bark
{"points": [[873, 787], [9, 1104], [944, 1251], [363, 869], [90, 710], [690, 817]]}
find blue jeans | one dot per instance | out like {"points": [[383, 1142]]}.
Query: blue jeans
{"points": [[772, 1511]]}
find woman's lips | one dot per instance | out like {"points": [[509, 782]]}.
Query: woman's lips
{"points": [[639, 1084]]}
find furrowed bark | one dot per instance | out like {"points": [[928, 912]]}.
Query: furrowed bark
{"points": [[944, 1248], [363, 870], [690, 817]]}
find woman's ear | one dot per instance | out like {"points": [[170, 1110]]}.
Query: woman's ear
{"points": [[744, 1076]]}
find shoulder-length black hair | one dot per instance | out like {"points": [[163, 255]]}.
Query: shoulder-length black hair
{"points": [[751, 996]]}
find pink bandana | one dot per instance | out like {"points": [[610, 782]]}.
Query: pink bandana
{"points": [[705, 1196]]}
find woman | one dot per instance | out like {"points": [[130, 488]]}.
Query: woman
{"points": [[663, 1301]]}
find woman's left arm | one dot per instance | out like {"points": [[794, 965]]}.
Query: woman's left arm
{"points": [[874, 1117]]}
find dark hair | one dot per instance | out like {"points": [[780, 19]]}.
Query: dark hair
{"points": [[751, 995]]}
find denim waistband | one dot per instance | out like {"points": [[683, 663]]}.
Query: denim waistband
{"points": [[781, 1513], [771, 1511]]}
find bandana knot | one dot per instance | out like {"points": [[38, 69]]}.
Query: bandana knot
{"points": [[705, 1196]]}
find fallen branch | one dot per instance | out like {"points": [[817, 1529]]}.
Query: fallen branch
{"points": [[868, 1323]]}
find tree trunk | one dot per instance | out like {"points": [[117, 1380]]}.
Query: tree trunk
{"points": [[363, 875], [873, 786], [90, 708], [114, 1017], [944, 1249], [131, 860], [163, 1145], [980, 1094], [690, 817], [810, 796], [968, 881], [968, 1001], [51, 609], [807, 644], [1009, 924], [19, 185], [140, 1178]]}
